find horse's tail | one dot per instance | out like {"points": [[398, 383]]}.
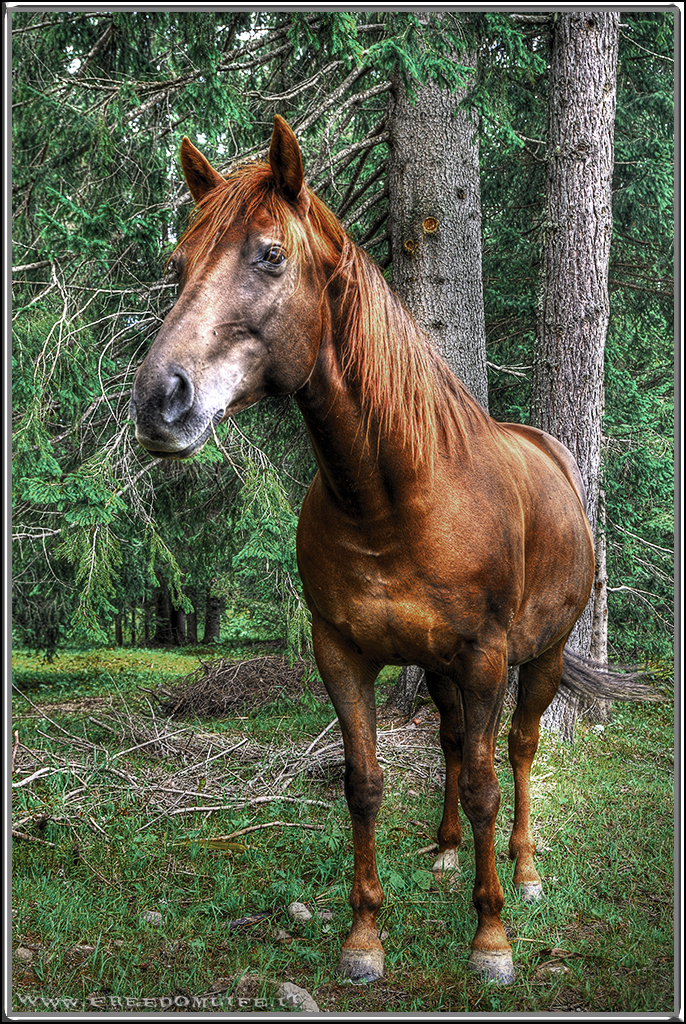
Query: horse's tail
{"points": [[589, 680]]}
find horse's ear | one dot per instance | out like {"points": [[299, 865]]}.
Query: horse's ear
{"points": [[286, 163], [199, 174]]}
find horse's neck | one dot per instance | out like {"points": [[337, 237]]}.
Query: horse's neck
{"points": [[362, 471]]}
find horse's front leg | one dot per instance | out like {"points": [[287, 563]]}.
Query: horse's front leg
{"points": [[483, 682], [448, 700], [349, 680]]}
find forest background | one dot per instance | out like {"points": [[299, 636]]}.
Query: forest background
{"points": [[113, 547]]}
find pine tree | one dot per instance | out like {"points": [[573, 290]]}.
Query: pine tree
{"points": [[100, 102]]}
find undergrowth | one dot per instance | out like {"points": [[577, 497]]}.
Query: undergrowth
{"points": [[153, 869]]}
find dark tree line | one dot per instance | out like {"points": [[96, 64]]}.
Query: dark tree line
{"points": [[100, 102]]}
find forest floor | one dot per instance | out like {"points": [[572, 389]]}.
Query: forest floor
{"points": [[155, 858]]}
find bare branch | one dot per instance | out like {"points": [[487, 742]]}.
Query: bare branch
{"points": [[642, 540]]}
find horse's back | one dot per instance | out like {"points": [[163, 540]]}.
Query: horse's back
{"points": [[555, 450]]}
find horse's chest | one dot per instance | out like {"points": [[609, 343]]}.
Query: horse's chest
{"points": [[388, 602]]}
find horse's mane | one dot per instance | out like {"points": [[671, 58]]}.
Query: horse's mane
{"points": [[404, 384], [402, 379]]}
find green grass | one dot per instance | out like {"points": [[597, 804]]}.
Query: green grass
{"points": [[74, 673], [600, 941]]}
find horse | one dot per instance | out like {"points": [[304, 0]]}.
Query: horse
{"points": [[431, 535]]}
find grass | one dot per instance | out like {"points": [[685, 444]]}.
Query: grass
{"points": [[104, 848]]}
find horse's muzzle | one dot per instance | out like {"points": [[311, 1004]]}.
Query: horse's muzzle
{"points": [[169, 422]]}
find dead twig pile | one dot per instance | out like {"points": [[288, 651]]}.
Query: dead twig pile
{"points": [[221, 688], [121, 754], [120, 757]]}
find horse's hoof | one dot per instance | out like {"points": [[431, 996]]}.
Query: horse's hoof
{"points": [[361, 964], [446, 866], [493, 966], [530, 892]]}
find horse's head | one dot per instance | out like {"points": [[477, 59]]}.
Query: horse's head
{"points": [[248, 319]]}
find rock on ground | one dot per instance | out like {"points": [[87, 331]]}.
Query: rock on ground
{"points": [[299, 998]]}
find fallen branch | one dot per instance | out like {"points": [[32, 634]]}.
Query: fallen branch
{"points": [[15, 748], [31, 839], [323, 733], [267, 824], [37, 775]]}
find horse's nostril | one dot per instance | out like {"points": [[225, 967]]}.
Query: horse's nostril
{"points": [[179, 397]]}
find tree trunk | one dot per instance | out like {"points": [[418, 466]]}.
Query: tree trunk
{"points": [[163, 629], [598, 649], [213, 618], [567, 389], [192, 627], [435, 225], [193, 596], [118, 631], [400, 700], [602, 712], [133, 624], [178, 626], [434, 201]]}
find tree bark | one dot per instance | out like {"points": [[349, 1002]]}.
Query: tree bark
{"points": [[213, 618], [163, 628], [435, 224], [192, 627], [402, 697], [598, 649], [435, 228], [567, 389], [178, 626]]}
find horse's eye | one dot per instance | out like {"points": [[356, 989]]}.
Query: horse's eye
{"points": [[274, 256]]}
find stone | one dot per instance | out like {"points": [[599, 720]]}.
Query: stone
{"points": [[289, 994], [299, 912], [152, 917]]}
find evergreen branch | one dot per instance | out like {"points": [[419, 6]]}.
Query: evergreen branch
{"points": [[641, 288], [99, 45], [36, 536], [532, 19], [377, 240], [31, 266], [347, 155], [70, 19], [518, 371], [298, 89], [253, 64], [333, 97], [641, 595], [350, 196], [655, 571], [266, 40]]}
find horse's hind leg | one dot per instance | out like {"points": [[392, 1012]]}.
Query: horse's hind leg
{"points": [[538, 684], [448, 700], [350, 683]]}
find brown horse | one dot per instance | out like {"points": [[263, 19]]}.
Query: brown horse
{"points": [[431, 535]]}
